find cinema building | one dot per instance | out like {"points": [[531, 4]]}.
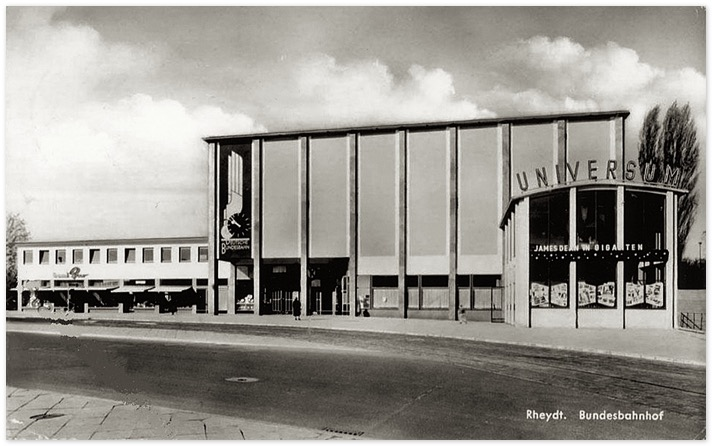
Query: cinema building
{"points": [[548, 220]]}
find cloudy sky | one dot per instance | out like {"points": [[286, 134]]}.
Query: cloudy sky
{"points": [[106, 107]]}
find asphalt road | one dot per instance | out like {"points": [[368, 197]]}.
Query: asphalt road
{"points": [[384, 386]]}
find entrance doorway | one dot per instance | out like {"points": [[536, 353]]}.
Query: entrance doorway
{"points": [[325, 279], [281, 285]]}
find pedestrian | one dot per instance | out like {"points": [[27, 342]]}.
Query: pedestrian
{"points": [[297, 309], [170, 304], [463, 315]]}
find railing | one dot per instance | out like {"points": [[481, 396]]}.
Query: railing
{"points": [[693, 321]]}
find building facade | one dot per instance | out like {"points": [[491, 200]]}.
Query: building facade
{"points": [[135, 273], [545, 220]]}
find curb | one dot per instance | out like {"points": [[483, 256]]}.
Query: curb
{"points": [[687, 362]]}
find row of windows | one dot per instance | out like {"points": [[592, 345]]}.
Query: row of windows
{"points": [[112, 255], [596, 226]]}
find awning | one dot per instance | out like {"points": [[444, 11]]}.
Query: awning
{"points": [[170, 288], [33, 284], [132, 289], [99, 288]]}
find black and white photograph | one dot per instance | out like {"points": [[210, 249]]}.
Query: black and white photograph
{"points": [[335, 222]]}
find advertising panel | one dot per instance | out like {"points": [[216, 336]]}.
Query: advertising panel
{"points": [[235, 201]]}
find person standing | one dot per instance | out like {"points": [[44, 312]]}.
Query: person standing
{"points": [[463, 315], [297, 309]]}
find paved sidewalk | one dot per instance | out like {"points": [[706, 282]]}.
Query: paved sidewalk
{"points": [[42, 415], [663, 345]]}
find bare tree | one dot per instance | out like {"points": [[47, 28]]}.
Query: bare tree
{"points": [[674, 144], [15, 232]]}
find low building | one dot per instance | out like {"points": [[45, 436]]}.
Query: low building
{"points": [[538, 220], [130, 273]]}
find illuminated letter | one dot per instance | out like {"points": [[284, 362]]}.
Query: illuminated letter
{"points": [[630, 171], [672, 176], [649, 172], [611, 171], [573, 173], [592, 170], [541, 177], [526, 183]]}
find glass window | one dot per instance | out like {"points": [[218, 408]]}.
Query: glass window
{"points": [[596, 218], [165, 255], [44, 257], [645, 220], [147, 255], [130, 255], [644, 232], [596, 284], [549, 231], [644, 285], [78, 256], [112, 255], [184, 254], [27, 257], [93, 256], [549, 284], [202, 254], [61, 256]]}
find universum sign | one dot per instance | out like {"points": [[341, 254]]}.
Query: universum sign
{"points": [[564, 174]]}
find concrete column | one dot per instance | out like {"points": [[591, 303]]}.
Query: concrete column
{"points": [[212, 293], [257, 225], [505, 138], [452, 148], [573, 287], [351, 294], [521, 248], [620, 242], [671, 266], [561, 155], [401, 141], [231, 290], [304, 224]]}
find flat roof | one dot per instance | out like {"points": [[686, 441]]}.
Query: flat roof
{"points": [[529, 119], [116, 242]]}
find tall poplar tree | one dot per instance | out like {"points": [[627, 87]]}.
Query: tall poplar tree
{"points": [[673, 143]]}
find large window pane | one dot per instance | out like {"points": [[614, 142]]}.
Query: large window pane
{"points": [[596, 218], [597, 284], [644, 231], [549, 229]]}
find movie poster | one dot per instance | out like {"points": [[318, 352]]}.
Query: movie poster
{"points": [[654, 294], [539, 294], [560, 294], [607, 294], [586, 294], [633, 294], [235, 201]]}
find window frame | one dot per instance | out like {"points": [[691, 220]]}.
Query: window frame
{"points": [[169, 250]]}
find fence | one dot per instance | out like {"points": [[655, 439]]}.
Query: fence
{"points": [[693, 321]]}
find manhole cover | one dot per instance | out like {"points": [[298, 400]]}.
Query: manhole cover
{"points": [[45, 416], [241, 379]]}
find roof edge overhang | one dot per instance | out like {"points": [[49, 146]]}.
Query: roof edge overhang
{"points": [[529, 119], [591, 184], [114, 242]]}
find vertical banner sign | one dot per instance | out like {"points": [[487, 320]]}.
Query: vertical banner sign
{"points": [[235, 201]]}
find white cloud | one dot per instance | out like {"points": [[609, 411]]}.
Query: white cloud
{"points": [[548, 72], [366, 92], [64, 140]]}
